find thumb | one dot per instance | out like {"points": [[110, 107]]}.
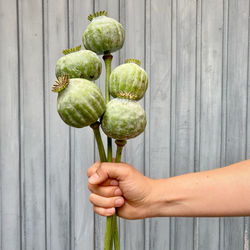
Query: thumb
{"points": [[108, 170]]}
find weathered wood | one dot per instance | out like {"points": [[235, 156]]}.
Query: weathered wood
{"points": [[247, 219], [158, 106], [183, 108], [238, 12], [82, 145], [58, 146], [132, 18], [209, 130], [32, 125], [9, 129], [112, 7], [196, 54]]}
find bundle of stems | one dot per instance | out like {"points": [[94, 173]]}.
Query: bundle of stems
{"points": [[111, 235]]}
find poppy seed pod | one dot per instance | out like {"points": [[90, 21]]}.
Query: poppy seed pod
{"points": [[124, 119], [79, 64], [103, 35], [128, 80], [80, 102]]}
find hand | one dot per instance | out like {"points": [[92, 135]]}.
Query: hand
{"points": [[119, 185]]}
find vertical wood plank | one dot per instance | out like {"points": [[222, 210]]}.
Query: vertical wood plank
{"points": [[112, 7], [183, 108], [148, 40], [236, 105], [32, 124], [57, 132], [210, 107], [82, 145], [9, 129], [247, 219], [158, 107], [132, 18]]}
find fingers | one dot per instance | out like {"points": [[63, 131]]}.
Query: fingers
{"points": [[91, 170], [108, 170], [105, 202], [104, 211], [106, 191]]}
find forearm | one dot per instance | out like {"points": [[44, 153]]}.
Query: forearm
{"points": [[219, 192]]}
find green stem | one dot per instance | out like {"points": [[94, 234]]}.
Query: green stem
{"points": [[107, 60], [95, 126], [108, 242], [120, 144]]}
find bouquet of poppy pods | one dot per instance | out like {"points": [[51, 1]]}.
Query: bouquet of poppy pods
{"points": [[80, 102]]}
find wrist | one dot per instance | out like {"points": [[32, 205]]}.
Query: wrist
{"points": [[164, 200]]}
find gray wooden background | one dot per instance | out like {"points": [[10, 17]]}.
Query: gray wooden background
{"points": [[196, 54]]}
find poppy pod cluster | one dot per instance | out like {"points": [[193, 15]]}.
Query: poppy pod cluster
{"points": [[80, 102], [124, 117]]}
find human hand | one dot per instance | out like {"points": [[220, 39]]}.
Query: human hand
{"points": [[119, 185]]}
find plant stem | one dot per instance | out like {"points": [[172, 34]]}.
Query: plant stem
{"points": [[107, 60], [108, 242], [95, 126], [120, 144]]}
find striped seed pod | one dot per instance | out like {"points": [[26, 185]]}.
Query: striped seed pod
{"points": [[128, 80], [103, 35], [80, 102], [124, 119], [78, 63]]}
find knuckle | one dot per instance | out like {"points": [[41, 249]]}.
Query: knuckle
{"points": [[89, 187], [88, 172], [91, 198]]}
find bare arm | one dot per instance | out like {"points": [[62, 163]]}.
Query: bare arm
{"points": [[219, 192]]}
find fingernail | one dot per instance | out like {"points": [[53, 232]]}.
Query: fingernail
{"points": [[93, 178], [114, 183], [118, 202], [118, 192]]}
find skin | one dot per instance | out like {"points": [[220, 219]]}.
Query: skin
{"points": [[219, 192]]}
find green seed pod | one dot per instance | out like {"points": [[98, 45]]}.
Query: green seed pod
{"points": [[123, 119], [79, 64], [128, 80], [80, 102], [104, 34]]}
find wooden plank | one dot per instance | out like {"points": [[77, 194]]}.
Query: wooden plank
{"points": [[183, 108], [57, 132], [9, 129], [210, 107], [82, 148], [112, 7], [247, 219], [32, 124], [158, 107], [236, 105], [132, 18]]}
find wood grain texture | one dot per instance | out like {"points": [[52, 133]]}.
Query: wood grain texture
{"points": [[32, 125], [82, 145], [183, 108], [238, 13], [10, 232], [58, 164], [112, 7], [158, 106], [208, 125], [132, 18], [196, 54]]}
